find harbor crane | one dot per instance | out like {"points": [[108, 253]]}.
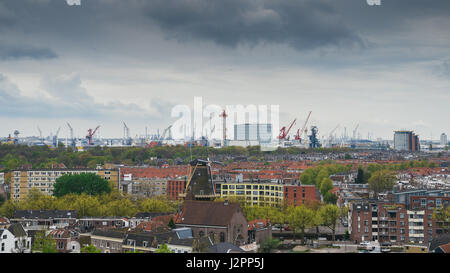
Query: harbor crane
{"points": [[354, 131], [72, 140], [40, 134], [91, 133], [55, 138], [284, 133], [300, 132], [330, 138], [126, 134]]}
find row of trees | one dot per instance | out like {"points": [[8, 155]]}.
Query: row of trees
{"points": [[364, 173], [299, 218], [106, 204], [15, 156], [320, 177]]}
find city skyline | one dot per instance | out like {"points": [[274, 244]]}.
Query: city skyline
{"points": [[383, 67]]}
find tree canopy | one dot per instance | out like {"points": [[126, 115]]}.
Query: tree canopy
{"points": [[88, 183]]}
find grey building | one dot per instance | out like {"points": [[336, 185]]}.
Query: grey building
{"points": [[260, 132]]}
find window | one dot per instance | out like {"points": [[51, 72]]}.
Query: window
{"points": [[222, 237]]}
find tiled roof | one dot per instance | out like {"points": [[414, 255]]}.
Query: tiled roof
{"points": [[108, 233], [17, 230], [225, 248], [207, 213], [439, 241]]}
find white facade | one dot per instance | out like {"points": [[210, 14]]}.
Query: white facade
{"points": [[444, 140], [253, 132], [401, 141], [10, 244], [6, 241]]}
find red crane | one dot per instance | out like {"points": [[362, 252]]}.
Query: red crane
{"points": [[299, 133], [91, 134], [284, 132]]}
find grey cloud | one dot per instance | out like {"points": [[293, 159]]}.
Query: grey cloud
{"points": [[303, 24], [14, 52], [68, 99]]}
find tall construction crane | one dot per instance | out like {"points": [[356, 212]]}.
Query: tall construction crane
{"points": [[91, 133], [284, 133], [72, 140], [300, 132], [330, 138], [162, 137], [40, 133], [354, 131], [55, 138], [126, 134]]}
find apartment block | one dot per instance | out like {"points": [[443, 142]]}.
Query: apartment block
{"points": [[174, 188], [300, 194], [44, 179], [393, 223], [256, 193]]}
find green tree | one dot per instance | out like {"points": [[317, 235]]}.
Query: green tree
{"points": [[8, 208], [90, 249], [300, 218], [171, 224], [360, 176], [326, 185], [163, 248], [330, 215], [268, 244], [330, 198], [44, 243], [381, 181], [88, 183]]}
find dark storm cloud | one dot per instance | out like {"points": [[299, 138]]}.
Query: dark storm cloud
{"points": [[303, 24], [14, 52]]}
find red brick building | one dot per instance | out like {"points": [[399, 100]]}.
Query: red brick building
{"points": [[174, 188], [303, 194]]}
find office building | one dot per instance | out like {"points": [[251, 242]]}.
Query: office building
{"points": [[249, 132], [406, 141]]}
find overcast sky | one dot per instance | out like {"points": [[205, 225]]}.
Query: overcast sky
{"points": [[106, 61]]}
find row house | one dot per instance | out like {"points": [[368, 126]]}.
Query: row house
{"points": [[44, 219], [87, 224], [66, 240]]}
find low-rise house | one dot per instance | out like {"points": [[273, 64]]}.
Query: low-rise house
{"points": [[225, 248], [15, 239], [222, 222], [44, 219], [4, 223], [108, 241], [178, 241], [87, 224], [66, 240], [141, 217]]}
